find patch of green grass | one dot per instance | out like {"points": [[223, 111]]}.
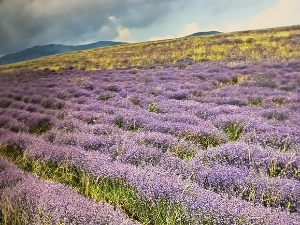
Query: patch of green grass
{"points": [[50, 105], [110, 190], [278, 170], [255, 101], [279, 101], [153, 107], [119, 122], [12, 213], [205, 141], [130, 126], [265, 44], [16, 213], [233, 131], [40, 128], [104, 97], [233, 81], [134, 126], [283, 145], [182, 153]]}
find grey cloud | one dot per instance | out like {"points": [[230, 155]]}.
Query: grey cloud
{"points": [[144, 14], [24, 23], [221, 6]]}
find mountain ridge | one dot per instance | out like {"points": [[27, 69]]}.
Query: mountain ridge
{"points": [[204, 33], [38, 51], [233, 47]]}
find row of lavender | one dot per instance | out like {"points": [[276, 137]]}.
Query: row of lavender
{"points": [[157, 128], [49, 202]]}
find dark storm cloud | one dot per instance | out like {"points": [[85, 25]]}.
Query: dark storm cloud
{"points": [[24, 23]]}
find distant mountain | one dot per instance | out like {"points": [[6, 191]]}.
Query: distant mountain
{"points": [[204, 33], [45, 50]]}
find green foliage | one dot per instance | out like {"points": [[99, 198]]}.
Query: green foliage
{"points": [[153, 107], [50, 105], [15, 213], [283, 145], [265, 44], [182, 153], [233, 131], [12, 213], [232, 81], [255, 101], [279, 101], [104, 97], [119, 122], [110, 190], [205, 141], [134, 126], [278, 170], [40, 128], [130, 126]]}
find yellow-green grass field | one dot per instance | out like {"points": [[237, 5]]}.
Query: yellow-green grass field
{"points": [[256, 45]]}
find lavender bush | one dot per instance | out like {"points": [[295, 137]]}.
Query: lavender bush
{"points": [[206, 143]]}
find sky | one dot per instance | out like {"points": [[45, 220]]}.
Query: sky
{"points": [[26, 23]]}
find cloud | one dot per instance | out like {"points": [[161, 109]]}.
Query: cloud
{"points": [[189, 28], [285, 12], [282, 13], [24, 23], [112, 19], [156, 38], [124, 34]]}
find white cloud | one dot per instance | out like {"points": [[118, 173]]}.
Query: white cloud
{"points": [[104, 29], [124, 34], [283, 13], [155, 38], [112, 19], [189, 28]]}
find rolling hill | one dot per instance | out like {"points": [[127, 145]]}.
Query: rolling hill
{"points": [[252, 45], [204, 33], [51, 49], [197, 130]]}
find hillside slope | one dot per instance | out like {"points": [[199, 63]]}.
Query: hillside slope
{"points": [[255, 45], [204, 33], [52, 49]]}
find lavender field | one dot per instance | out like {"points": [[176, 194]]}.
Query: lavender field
{"points": [[185, 143]]}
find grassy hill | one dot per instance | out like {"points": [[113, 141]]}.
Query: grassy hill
{"points": [[266, 44], [52, 49], [189, 143], [204, 33]]}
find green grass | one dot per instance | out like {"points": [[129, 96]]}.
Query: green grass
{"points": [[110, 190], [279, 101], [233, 131], [40, 128], [153, 107], [183, 153], [275, 43], [256, 101], [204, 141], [104, 97], [14, 213]]}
